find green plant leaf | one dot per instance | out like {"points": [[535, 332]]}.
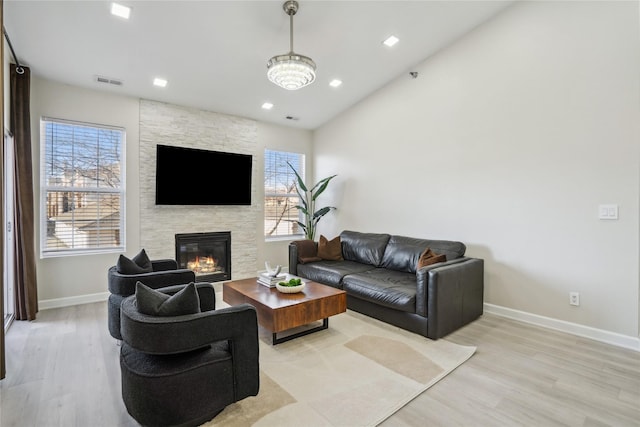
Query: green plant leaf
{"points": [[307, 203], [300, 181], [303, 209], [322, 212], [322, 181], [323, 187]]}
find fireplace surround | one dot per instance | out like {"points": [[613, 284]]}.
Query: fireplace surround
{"points": [[207, 254]]}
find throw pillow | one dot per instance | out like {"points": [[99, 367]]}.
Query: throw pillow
{"points": [[137, 265], [143, 261], [330, 250], [307, 251], [429, 257], [155, 303]]}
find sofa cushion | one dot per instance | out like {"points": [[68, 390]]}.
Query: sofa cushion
{"points": [[330, 250], [137, 265], [402, 253], [365, 248], [142, 259], [331, 272], [429, 257], [389, 288], [307, 251], [155, 303]]}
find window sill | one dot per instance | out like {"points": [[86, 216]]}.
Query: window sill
{"points": [[73, 253], [290, 237]]}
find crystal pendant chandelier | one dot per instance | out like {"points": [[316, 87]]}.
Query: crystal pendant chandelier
{"points": [[291, 71]]}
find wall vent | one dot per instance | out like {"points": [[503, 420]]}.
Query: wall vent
{"points": [[108, 80]]}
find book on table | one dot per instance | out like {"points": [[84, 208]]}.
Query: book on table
{"points": [[267, 280]]}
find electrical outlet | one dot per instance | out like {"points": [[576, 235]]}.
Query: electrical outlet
{"points": [[574, 298]]}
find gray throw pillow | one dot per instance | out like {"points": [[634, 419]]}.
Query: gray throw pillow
{"points": [[143, 261], [155, 303], [137, 265]]}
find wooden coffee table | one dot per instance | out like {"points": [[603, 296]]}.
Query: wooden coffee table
{"points": [[278, 312]]}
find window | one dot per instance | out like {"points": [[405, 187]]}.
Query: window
{"points": [[82, 188], [280, 196]]}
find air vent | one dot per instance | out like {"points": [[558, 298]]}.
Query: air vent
{"points": [[108, 80]]}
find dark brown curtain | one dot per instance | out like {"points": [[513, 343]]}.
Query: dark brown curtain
{"points": [[25, 266]]}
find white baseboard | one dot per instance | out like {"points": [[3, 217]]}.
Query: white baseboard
{"points": [[632, 343], [69, 301]]}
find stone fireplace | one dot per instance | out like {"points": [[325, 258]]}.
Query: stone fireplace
{"points": [[207, 254], [162, 123]]}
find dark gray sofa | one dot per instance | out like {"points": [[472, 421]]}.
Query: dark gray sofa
{"points": [[380, 277]]}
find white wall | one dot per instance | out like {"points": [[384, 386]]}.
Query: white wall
{"points": [[509, 140], [76, 278], [278, 138]]}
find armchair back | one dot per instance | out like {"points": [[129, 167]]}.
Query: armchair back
{"points": [[165, 273]]}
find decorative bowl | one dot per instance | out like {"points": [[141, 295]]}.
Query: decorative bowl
{"points": [[290, 289]]}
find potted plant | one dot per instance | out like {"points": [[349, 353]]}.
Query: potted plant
{"points": [[308, 203]]}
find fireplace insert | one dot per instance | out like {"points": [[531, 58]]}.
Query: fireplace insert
{"points": [[207, 254]]}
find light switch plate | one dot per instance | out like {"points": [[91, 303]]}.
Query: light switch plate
{"points": [[608, 212]]}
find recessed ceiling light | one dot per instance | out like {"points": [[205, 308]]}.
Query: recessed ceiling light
{"points": [[335, 83], [159, 82], [120, 10], [267, 106], [391, 40]]}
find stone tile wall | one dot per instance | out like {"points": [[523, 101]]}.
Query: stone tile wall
{"points": [[168, 124]]}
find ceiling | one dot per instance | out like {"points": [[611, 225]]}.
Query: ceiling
{"points": [[214, 53]]}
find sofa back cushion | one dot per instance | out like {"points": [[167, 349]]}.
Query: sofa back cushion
{"points": [[330, 250], [365, 248], [402, 253]]}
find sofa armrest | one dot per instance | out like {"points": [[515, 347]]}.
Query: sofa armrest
{"points": [[450, 294], [304, 250], [293, 259]]}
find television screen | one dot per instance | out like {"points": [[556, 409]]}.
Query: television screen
{"points": [[189, 176]]}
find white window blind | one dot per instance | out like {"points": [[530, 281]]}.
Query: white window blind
{"points": [[82, 188], [280, 197]]}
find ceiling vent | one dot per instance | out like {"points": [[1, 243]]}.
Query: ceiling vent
{"points": [[108, 80]]}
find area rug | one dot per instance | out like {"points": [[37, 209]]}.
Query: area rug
{"points": [[356, 373]]}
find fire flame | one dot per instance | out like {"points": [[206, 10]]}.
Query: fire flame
{"points": [[206, 264]]}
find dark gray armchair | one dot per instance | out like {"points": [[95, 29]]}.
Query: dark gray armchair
{"points": [[165, 273], [184, 370]]}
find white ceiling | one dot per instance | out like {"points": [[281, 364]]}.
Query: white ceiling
{"points": [[214, 53]]}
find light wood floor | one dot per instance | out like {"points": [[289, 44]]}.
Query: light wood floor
{"points": [[62, 370]]}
